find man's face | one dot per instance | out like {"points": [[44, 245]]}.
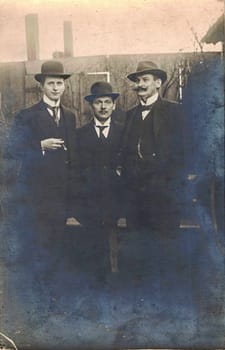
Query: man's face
{"points": [[103, 107], [146, 85], [53, 87]]}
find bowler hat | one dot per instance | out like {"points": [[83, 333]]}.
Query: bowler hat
{"points": [[99, 89], [148, 67], [53, 69]]}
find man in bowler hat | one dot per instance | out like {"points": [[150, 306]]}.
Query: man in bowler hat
{"points": [[98, 147], [42, 140], [153, 154]]}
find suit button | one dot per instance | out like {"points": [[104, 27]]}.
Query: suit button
{"points": [[153, 154]]}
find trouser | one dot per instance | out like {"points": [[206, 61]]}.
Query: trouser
{"points": [[152, 209]]}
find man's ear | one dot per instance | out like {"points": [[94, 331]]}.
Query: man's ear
{"points": [[40, 86], [158, 83], [91, 109], [114, 105]]}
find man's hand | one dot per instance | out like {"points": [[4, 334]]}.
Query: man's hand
{"points": [[51, 144], [119, 170]]}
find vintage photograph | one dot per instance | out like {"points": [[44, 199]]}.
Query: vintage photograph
{"points": [[112, 174]]}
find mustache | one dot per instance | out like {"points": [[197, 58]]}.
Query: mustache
{"points": [[139, 89]]}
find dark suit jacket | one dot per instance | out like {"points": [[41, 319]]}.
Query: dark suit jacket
{"points": [[167, 160], [99, 182], [42, 179], [157, 178]]}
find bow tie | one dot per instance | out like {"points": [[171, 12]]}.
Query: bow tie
{"points": [[101, 127], [144, 108]]}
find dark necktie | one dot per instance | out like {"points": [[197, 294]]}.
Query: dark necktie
{"points": [[55, 115], [101, 128], [55, 111]]}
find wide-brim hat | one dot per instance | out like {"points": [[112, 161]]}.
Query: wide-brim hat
{"points": [[101, 89], [148, 67], [53, 69]]}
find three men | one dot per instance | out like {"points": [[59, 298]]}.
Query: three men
{"points": [[43, 141], [153, 154]]}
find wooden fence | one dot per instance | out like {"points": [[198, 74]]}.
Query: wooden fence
{"points": [[19, 89]]}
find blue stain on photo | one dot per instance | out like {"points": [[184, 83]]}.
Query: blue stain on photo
{"points": [[154, 293]]}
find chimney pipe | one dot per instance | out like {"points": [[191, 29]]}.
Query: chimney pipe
{"points": [[32, 37], [68, 39]]}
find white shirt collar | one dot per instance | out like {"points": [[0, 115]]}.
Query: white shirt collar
{"points": [[50, 102], [106, 123], [150, 100]]}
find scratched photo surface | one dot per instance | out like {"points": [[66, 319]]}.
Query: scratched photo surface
{"points": [[112, 238]]}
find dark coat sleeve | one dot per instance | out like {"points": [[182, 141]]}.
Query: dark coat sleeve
{"points": [[22, 150], [71, 133], [22, 143], [78, 183], [73, 160], [171, 142]]}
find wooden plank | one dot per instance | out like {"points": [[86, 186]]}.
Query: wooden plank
{"points": [[32, 91], [12, 88]]}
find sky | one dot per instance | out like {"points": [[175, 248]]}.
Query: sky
{"points": [[106, 27]]}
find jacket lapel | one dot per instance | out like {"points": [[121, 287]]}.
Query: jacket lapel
{"points": [[158, 115], [67, 124], [43, 121], [134, 113], [112, 132], [91, 136]]}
